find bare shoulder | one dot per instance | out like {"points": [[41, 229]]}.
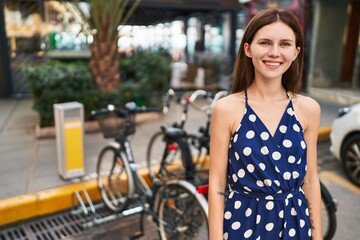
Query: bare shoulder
{"points": [[231, 103], [307, 104], [230, 109], [307, 110]]}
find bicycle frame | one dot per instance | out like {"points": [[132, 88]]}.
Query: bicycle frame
{"points": [[147, 200]]}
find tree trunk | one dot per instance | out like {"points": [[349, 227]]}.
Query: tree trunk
{"points": [[104, 65]]}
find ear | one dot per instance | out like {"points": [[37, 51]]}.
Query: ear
{"points": [[247, 50], [298, 49]]}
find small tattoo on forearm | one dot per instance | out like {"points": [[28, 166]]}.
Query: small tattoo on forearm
{"points": [[221, 193], [310, 215]]}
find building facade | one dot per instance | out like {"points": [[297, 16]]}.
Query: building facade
{"points": [[334, 52], [36, 31]]}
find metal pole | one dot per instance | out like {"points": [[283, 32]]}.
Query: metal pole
{"points": [[5, 72]]}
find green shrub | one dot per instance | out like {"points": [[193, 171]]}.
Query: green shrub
{"points": [[56, 82], [145, 79]]}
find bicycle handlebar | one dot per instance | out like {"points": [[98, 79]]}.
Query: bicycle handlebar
{"points": [[168, 96], [196, 94], [129, 109], [217, 96]]}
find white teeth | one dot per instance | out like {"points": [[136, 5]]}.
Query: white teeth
{"points": [[272, 64]]}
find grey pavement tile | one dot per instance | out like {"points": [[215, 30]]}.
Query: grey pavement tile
{"points": [[16, 128], [6, 106], [47, 142], [12, 190], [14, 163], [90, 164], [14, 179], [47, 182], [19, 114], [22, 120], [44, 166], [46, 148], [13, 146], [16, 137]]}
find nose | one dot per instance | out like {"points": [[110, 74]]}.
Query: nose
{"points": [[274, 51]]}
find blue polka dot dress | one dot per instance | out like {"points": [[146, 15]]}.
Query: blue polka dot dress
{"points": [[265, 174]]}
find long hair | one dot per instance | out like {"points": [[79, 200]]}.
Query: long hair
{"points": [[243, 73]]}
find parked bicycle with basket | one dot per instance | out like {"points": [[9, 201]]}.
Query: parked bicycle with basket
{"points": [[175, 206]]}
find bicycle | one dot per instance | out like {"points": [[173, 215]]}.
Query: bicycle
{"points": [[329, 208], [175, 205], [165, 152]]}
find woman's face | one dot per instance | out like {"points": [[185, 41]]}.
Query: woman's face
{"points": [[272, 50]]}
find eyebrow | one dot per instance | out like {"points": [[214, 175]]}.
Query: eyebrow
{"points": [[282, 40]]}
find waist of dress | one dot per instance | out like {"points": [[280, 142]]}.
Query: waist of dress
{"points": [[267, 196]]}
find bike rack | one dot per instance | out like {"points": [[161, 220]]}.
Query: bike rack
{"points": [[88, 210]]}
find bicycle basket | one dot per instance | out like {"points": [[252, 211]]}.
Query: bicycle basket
{"points": [[113, 126]]}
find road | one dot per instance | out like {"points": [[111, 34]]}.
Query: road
{"points": [[346, 193]]}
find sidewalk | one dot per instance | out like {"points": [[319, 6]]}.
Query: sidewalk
{"points": [[29, 171]]}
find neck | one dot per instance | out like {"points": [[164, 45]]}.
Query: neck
{"points": [[266, 92]]}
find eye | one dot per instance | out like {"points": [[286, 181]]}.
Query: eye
{"points": [[265, 43], [285, 44]]}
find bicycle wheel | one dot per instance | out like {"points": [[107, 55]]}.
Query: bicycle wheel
{"points": [[182, 212], [328, 213], [168, 158], [114, 179]]}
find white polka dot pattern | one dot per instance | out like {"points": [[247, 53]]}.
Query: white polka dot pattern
{"points": [[265, 173], [235, 225], [264, 150], [264, 136]]}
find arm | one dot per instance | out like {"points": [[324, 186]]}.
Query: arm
{"points": [[311, 184], [219, 145]]}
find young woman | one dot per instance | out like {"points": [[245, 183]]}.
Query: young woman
{"points": [[264, 140]]}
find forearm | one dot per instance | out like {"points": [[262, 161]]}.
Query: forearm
{"points": [[313, 197], [216, 213]]}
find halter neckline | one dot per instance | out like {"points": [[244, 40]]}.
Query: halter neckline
{"points": [[288, 94]]}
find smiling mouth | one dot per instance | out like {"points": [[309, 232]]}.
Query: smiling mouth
{"points": [[272, 64]]}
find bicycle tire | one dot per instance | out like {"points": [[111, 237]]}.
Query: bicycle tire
{"points": [[114, 179], [177, 161], [328, 213], [183, 212]]}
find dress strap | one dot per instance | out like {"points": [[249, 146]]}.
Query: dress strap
{"points": [[246, 97], [290, 96]]}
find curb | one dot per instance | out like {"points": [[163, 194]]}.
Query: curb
{"points": [[45, 202], [27, 206]]}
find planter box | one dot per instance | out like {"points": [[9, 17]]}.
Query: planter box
{"points": [[93, 126]]}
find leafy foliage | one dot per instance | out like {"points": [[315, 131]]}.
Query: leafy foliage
{"points": [[56, 82], [146, 76]]}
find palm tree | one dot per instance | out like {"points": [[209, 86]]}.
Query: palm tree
{"points": [[104, 18]]}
